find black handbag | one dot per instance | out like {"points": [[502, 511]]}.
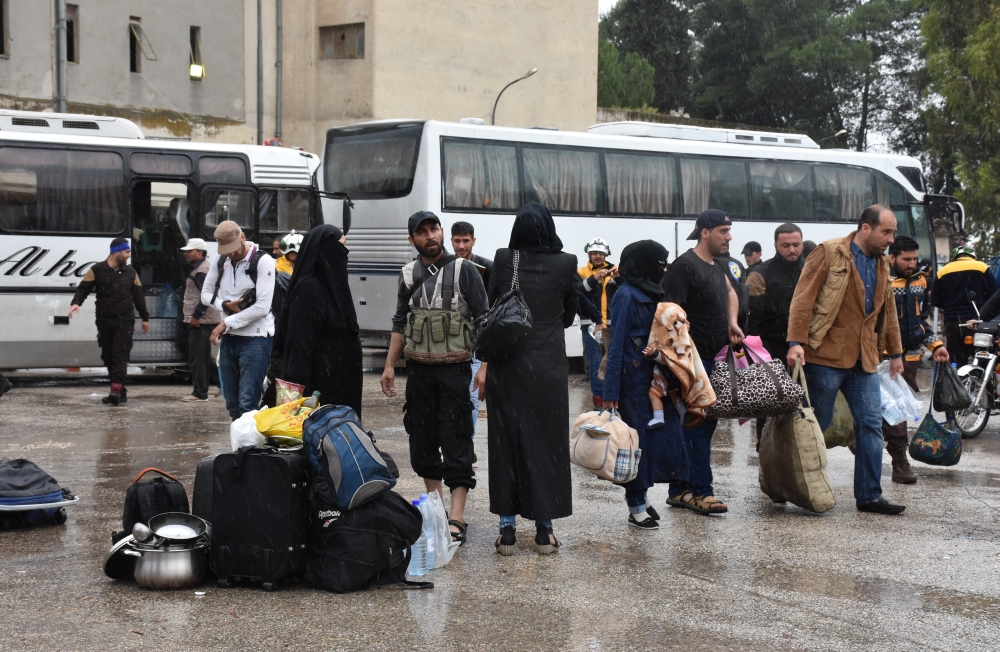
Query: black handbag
{"points": [[506, 323], [144, 500]]}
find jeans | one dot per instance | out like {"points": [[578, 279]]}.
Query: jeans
{"points": [[592, 354], [861, 389], [243, 364], [699, 443], [474, 393], [636, 499], [512, 522]]}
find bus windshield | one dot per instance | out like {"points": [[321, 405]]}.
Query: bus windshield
{"points": [[372, 162]]}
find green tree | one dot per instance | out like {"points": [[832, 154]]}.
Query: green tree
{"points": [[963, 57], [627, 83], [658, 31]]}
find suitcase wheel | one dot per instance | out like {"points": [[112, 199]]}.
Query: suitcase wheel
{"points": [[224, 583], [268, 586]]}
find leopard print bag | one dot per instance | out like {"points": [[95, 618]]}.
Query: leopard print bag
{"points": [[763, 389]]}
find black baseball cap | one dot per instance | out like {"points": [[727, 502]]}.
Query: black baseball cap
{"points": [[709, 219], [419, 218], [752, 247]]}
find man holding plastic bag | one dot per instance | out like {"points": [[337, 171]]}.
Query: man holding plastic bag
{"points": [[909, 288], [843, 313]]}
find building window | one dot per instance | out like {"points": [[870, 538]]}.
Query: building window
{"points": [[73, 33], [139, 45], [4, 47], [342, 41], [197, 69]]}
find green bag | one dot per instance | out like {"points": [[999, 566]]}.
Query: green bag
{"points": [[934, 443], [435, 336]]}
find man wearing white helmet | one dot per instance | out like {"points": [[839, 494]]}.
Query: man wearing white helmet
{"points": [[599, 284], [289, 247]]}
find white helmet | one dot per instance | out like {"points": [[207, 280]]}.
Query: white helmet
{"points": [[598, 245], [291, 242]]}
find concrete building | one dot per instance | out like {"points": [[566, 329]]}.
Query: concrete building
{"points": [[189, 68]]}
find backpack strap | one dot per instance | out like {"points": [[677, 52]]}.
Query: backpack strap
{"points": [[432, 270], [448, 287], [220, 267]]}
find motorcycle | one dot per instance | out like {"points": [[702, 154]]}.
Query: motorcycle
{"points": [[979, 377]]}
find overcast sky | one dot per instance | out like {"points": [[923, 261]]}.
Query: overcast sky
{"points": [[603, 6]]}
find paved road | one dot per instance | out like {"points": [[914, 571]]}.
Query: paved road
{"points": [[759, 578]]}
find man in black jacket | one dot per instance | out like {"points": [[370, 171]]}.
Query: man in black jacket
{"points": [[772, 285], [954, 281], [119, 296]]}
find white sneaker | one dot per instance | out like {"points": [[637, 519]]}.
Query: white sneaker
{"points": [[191, 398]]}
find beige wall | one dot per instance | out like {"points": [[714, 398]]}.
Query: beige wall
{"points": [[448, 59]]}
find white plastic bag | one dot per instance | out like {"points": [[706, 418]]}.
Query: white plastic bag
{"points": [[441, 531], [244, 431], [899, 404]]}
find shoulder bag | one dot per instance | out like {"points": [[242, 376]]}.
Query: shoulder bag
{"points": [[763, 389], [936, 443], [506, 323]]}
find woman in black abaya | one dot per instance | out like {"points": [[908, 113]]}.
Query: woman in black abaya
{"points": [[527, 392], [318, 328]]}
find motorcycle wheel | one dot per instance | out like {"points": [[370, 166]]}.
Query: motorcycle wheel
{"points": [[972, 420]]}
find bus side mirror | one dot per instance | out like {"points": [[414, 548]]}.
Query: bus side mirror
{"points": [[347, 216]]}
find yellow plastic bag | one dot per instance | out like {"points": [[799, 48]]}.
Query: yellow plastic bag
{"points": [[282, 420]]}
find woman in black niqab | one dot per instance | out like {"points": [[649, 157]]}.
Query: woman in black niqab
{"points": [[642, 265], [318, 328]]}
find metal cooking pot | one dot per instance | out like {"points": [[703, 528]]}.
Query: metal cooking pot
{"points": [[169, 567], [177, 527]]}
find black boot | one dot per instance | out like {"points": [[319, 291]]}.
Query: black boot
{"points": [[115, 396]]}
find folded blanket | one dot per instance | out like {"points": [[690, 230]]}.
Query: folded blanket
{"points": [[671, 336]]}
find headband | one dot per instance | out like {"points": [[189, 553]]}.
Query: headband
{"points": [[120, 247]]}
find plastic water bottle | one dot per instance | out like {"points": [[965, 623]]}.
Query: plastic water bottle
{"points": [[428, 531], [169, 302], [418, 553]]}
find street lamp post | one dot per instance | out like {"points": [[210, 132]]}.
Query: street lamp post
{"points": [[839, 133], [531, 72]]}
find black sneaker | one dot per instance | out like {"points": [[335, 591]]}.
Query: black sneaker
{"points": [[506, 541], [5, 386], [647, 523], [652, 514], [123, 396], [881, 506], [544, 543]]}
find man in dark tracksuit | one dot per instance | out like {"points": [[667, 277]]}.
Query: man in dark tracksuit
{"points": [[909, 288], [119, 296], [437, 404]]}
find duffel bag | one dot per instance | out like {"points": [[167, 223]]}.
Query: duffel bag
{"points": [[145, 500], [763, 389], [605, 445], [348, 469], [369, 545]]}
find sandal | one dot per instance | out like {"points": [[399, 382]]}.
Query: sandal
{"points": [[710, 505], [506, 541], [544, 543], [686, 501], [459, 536]]}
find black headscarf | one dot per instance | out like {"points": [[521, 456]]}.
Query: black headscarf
{"points": [[324, 258], [534, 230], [642, 265]]}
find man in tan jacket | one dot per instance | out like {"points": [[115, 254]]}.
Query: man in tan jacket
{"points": [[843, 316]]}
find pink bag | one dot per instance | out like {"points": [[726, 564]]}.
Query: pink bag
{"points": [[753, 343]]}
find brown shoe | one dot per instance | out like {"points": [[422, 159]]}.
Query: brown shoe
{"points": [[901, 471]]}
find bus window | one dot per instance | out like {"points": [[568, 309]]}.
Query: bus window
{"points": [[781, 192], [284, 209], [921, 230], [714, 183], [62, 191], [564, 180], [161, 226], [888, 192], [221, 204], [641, 185], [216, 169], [480, 176], [842, 193], [172, 165], [375, 163]]}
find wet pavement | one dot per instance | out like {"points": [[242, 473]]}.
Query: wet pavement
{"points": [[759, 578]]}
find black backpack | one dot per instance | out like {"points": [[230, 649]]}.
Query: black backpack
{"points": [[220, 266], [362, 547], [144, 500]]}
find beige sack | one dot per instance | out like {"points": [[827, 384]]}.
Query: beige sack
{"points": [[793, 458], [840, 432], [605, 445]]}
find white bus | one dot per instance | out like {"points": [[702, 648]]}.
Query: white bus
{"points": [[620, 181], [69, 184]]}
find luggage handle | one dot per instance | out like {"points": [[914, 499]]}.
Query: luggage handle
{"points": [[799, 376], [151, 468]]}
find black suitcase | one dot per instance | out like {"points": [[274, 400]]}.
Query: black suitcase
{"points": [[260, 506]]}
